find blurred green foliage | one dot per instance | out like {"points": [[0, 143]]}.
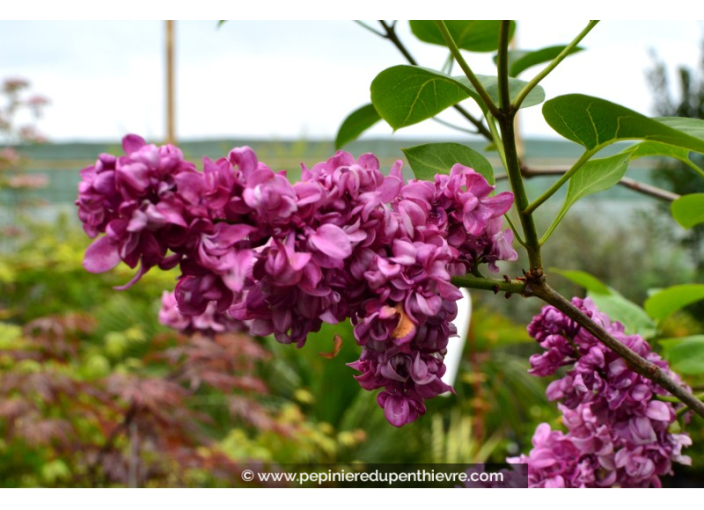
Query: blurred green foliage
{"points": [[299, 406], [305, 408], [292, 405]]}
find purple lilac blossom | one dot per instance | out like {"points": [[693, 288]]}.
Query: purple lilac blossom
{"points": [[209, 322], [617, 431], [344, 242], [132, 200], [441, 230]]}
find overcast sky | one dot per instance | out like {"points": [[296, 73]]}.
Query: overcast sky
{"points": [[277, 79]]}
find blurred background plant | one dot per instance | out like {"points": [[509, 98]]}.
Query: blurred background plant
{"points": [[686, 100], [20, 109], [95, 392], [86, 369]]}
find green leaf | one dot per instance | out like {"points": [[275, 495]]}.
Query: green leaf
{"points": [[686, 355], [688, 210], [491, 85], [596, 123], [471, 35], [661, 304], [632, 316], [355, 124], [520, 60], [405, 95], [657, 149], [594, 176], [584, 279], [55, 470], [612, 303], [693, 127], [438, 158]]}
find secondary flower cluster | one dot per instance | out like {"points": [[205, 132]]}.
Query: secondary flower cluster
{"points": [[617, 431], [343, 242]]}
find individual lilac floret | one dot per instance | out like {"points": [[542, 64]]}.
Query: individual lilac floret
{"points": [[209, 322], [617, 431]]}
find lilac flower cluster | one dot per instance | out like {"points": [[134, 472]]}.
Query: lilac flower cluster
{"points": [[343, 242], [440, 230], [133, 200], [617, 431]]}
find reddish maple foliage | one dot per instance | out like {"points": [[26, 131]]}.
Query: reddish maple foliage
{"points": [[130, 428]]}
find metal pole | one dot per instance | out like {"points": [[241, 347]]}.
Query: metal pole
{"points": [[170, 122]]}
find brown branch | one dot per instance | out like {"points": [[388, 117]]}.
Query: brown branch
{"points": [[626, 182], [109, 443], [634, 361], [390, 34], [647, 189], [133, 464], [534, 285]]}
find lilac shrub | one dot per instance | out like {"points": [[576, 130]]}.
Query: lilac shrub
{"points": [[348, 242], [617, 428], [281, 258]]}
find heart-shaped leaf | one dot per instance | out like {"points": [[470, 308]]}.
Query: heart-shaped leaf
{"points": [[662, 304], [520, 60], [657, 149], [406, 95], [584, 279], [632, 316], [596, 123], [594, 176], [355, 124], [612, 303], [471, 35], [686, 355], [688, 210], [438, 158], [491, 85], [693, 127]]}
